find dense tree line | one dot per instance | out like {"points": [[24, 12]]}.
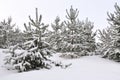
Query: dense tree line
{"points": [[73, 38]]}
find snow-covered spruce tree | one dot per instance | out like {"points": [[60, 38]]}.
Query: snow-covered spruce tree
{"points": [[88, 36], [6, 30], [79, 37], [34, 52], [111, 39], [71, 44], [56, 36], [105, 40]]}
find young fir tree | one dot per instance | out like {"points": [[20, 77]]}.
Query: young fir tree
{"points": [[78, 35], [6, 30], [56, 36], [88, 37], [34, 52], [105, 40], [71, 24], [111, 38]]}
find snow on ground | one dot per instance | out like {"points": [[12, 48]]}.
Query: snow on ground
{"points": [[3, 70], [84, 68]]}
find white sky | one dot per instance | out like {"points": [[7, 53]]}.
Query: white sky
{"points": [[19, 10]]}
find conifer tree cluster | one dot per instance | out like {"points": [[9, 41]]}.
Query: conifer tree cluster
{"points": [[110, 38], [33, 49], [73, 35], [8, 35]]}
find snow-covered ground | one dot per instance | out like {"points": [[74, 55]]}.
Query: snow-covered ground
{"points": [[3, 70], [84, 68]]}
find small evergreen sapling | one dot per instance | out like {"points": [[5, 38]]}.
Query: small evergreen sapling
{"points": [[56, 37], [6, 30], [34, 51]]}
